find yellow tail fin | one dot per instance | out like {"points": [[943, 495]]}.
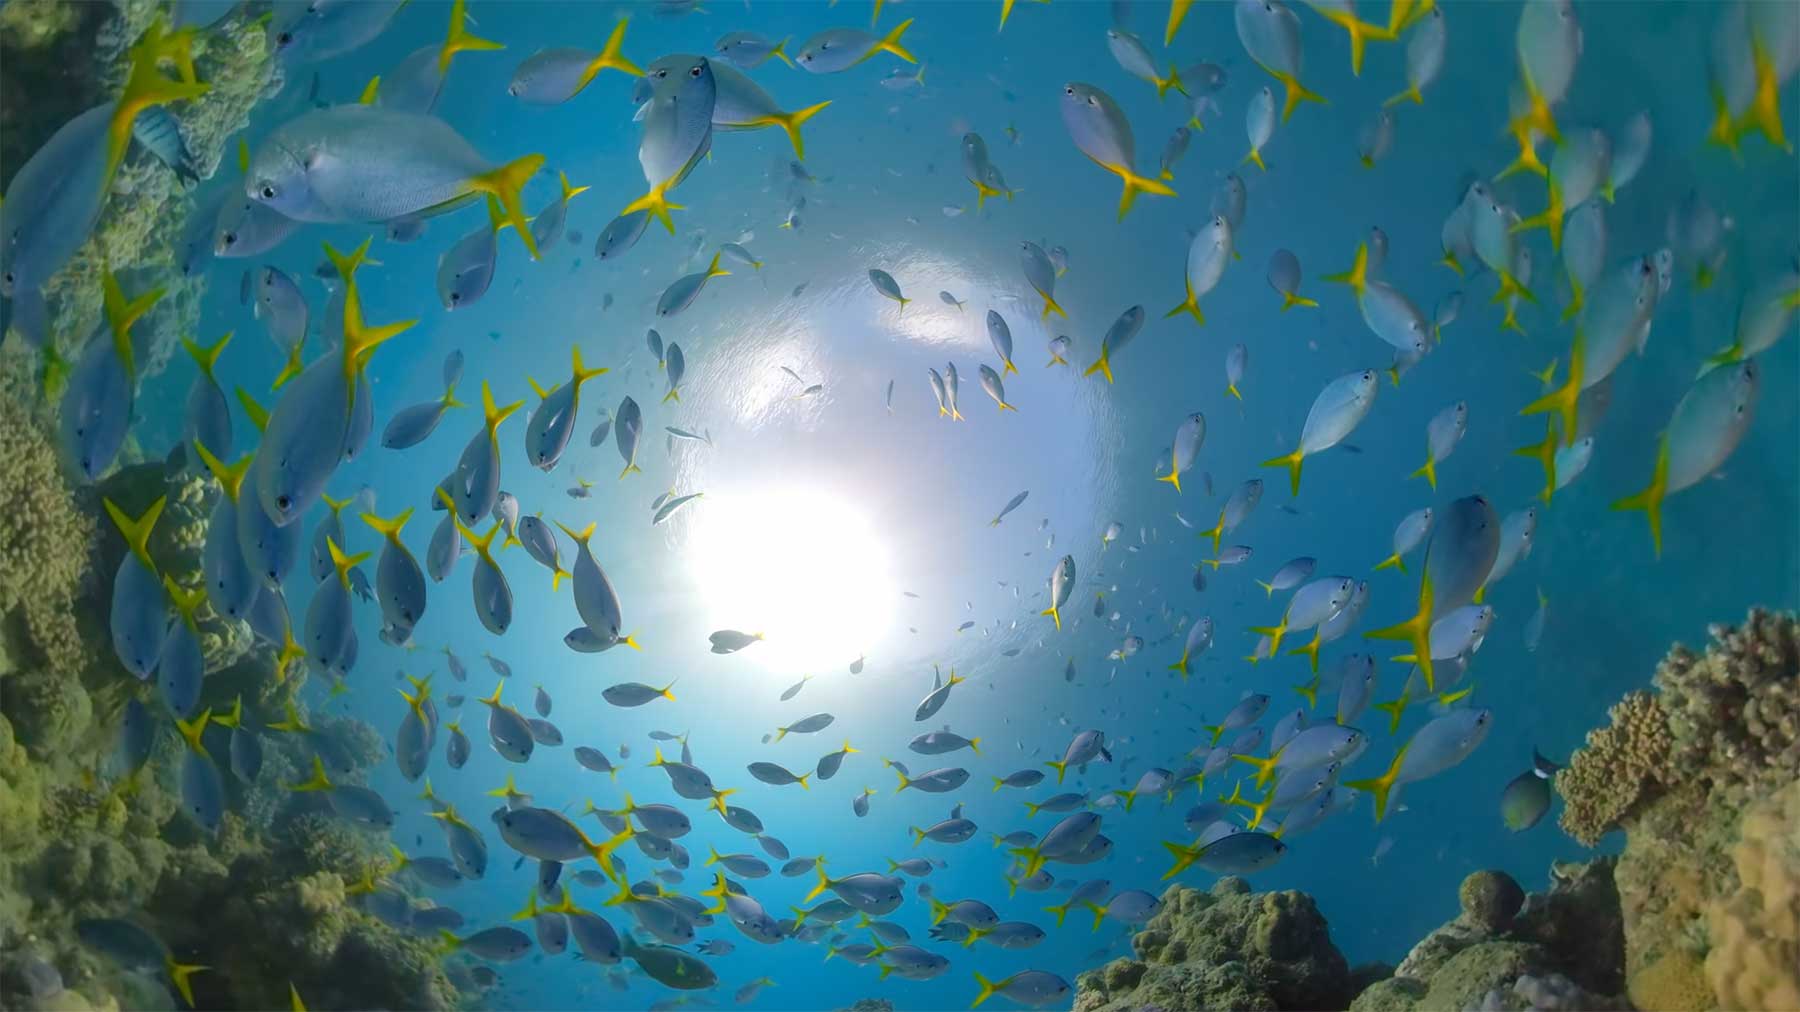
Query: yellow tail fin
{"points": [[389, 529], [611, 55], [137, 531], [1380, 786], [790, 123], [1136, 184], [1429, 471], [458, 40], [1102, 365], [1651, 498], [1292, 462], [505, 184], [146, 86], [1357, 277], [206, 356], [1177, 13], [1544, 452], [1416, 630], [890, 43], [1296, 93], [1188, 305], [657, 203], [1566, 399]]}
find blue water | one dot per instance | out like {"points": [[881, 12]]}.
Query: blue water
{"points": [[922, 489]]}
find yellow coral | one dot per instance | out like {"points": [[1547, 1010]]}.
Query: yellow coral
{"points": [[1621, 765], [1755, 957], [1674, 983]]}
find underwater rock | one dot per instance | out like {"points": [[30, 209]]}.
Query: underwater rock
{"points": [[1225, 948], [1490, 899], [1502, 936]]}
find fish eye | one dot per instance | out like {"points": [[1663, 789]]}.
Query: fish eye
{"points": [[284, 39], [230, 238], [694, 71], [268, 192], [283, 503]]}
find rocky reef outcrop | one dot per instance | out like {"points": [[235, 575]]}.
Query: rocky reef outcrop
{"points": [[1559, 949], [1227, 947]]}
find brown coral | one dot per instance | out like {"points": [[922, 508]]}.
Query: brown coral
{"points": [[1622, 765], [1734, 710], [44, 539], [1755, 957]]}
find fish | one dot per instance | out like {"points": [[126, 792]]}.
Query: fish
{"points": [[1284, 277], [1189, 436], [748, 50], [627, 428], [1100, 130], [620, 235], [1707, 425], [1208, 254], [682, 292], [677, 129], [1439, 745], [1040, 274], [1442, 434], [1259, 125], [1425, 46], [885, 285], [421, 161], [1339, 408], [991, 384], [838, 49], [742, 104], [1116, 338], [555, 75]]}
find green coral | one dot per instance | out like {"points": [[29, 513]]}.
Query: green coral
{"points": [[1227, 948]]}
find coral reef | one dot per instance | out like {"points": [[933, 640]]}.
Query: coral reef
{"points": [[1678, 771], [44, 551], [1504, 945], [1755, 931], [1224, 948], [263, 901], [141, 226], [1621, 765]]}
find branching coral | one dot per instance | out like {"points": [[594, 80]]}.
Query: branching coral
{"points": [[1755, 957], [1734, 710], [1622, 765], [44, 540]]}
